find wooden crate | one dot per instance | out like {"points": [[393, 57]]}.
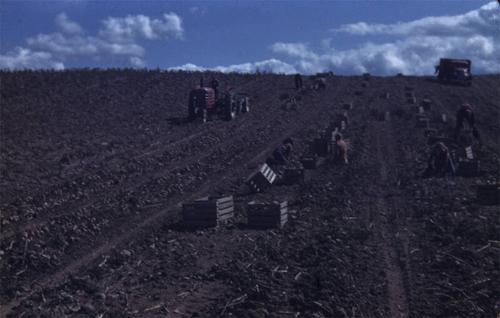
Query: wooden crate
{"points": [[207, 211], [347, 106], [293, 175], [422, 122], [309, 162], [322, 146], [488, 194], [261, 179], [343, 125], [426, 104], [468, 168], [267, 214], [430, 132]]}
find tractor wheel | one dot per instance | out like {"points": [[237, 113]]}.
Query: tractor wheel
{"points": [[204, 115], [229, 109], [191, 112], [232, 110]]}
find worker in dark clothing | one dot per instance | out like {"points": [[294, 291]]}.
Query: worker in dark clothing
{"points": [[436, 69], [214, 83], [281, 154], [298, 81], [320, 83], [466, 114], [440, 162]]}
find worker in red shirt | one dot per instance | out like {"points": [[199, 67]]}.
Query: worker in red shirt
{"points": [[340, 150]]}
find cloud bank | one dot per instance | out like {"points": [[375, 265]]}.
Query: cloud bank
{"points": [[267, 66], [414, 47], [116, 41]]}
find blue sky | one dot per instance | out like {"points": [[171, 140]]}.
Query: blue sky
{"points": [[347, 37]]}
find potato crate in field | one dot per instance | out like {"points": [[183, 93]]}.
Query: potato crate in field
{"points": [[207, 211], [468, 168], [347, 106], [261, 179], [267, 214], [309, 162], [426, 104], [488, 194], [293, 176], [411, 100], [322, 146], [422, 122]]}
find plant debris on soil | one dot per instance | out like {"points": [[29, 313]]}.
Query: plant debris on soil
{"points": [[95, 166]]}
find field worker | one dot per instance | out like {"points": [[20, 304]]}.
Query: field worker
{"points": [[298, 81], [214, 83], [282, 153], [440, 162], [320, 83], [340, 150], [465, 113]]}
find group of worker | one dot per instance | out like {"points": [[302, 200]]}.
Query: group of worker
{"points": [[318, 82], [281, 154], [440, 162]]}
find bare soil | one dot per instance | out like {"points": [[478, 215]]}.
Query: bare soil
{"points": [[96, 164]]}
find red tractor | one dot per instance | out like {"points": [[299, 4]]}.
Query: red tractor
{"points": [[204, 103]]}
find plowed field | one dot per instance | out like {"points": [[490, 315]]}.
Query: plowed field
{"points": [[95, 166]]}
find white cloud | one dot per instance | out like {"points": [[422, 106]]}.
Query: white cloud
{"points": [[68, 26], [299, 50], [64, 46], [118, 38], [415, 48], [484, 20], [414, 55], [270, 66], [137, 62], [22, 58], [141, 26], [198, 11]]}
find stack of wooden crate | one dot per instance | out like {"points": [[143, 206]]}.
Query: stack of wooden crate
{"points": [[207, 211]]}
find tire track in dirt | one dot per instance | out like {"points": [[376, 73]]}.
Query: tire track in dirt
{"points": [[382, 210]]}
